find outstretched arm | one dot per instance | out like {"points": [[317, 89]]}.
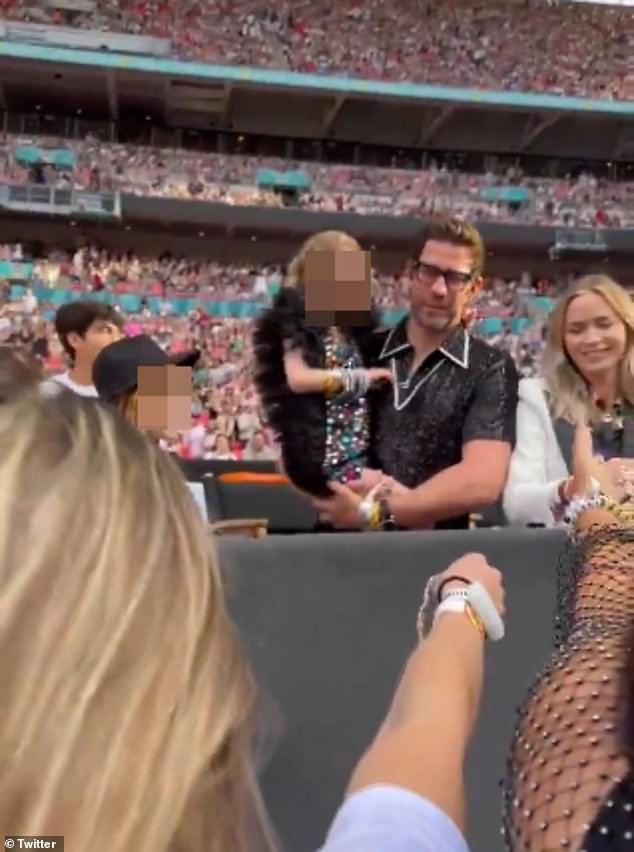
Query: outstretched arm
{"points": [[300, 377], [611, 483], [422, 744], [304, 379]]}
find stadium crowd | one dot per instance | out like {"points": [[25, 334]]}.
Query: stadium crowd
{"points": [[576, 49], [584, 200], [226, 416]]}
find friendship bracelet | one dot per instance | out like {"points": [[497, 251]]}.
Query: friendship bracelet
{"points": [[475, 620], [475, 596], [457, 602], [454, 579]]}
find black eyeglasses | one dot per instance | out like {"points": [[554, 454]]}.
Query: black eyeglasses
{"points": [[429, 273]]}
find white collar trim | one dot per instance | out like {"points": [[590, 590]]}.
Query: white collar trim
{"points": [[388, 349]]}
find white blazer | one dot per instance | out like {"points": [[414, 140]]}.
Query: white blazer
{"points": [[537, 465]]}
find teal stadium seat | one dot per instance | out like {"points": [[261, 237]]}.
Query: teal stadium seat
{"points": [[491, 325], [16, 271], [17, 292], [59, 297], [544, 303], [520, 324], [130, 302]]}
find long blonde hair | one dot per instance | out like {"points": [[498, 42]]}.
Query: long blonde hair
{"points": [[127, 406], [567, 388], [324, 241], [126, 700]]}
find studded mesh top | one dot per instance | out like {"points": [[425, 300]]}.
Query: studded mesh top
{"points": [[321, 439], [570, 783]]}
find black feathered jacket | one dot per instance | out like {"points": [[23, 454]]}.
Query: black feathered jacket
{"points": [[299, 420]]}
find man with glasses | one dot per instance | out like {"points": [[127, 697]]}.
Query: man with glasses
{"points": [[443, 432]]}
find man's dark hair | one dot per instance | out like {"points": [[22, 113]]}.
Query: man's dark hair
{"points": [[77, 317], [457, 232]]}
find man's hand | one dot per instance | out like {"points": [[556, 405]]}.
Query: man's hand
{"points": [[370, 479], [475, 568], [342, 510]]}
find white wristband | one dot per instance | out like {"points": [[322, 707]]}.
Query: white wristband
{"points": [[480, 602], [455, 601]]}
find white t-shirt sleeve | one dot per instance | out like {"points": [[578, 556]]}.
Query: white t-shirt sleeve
{"points": [[391, 819]]}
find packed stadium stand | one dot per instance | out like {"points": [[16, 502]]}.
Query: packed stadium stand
{"points": [[521, 46], [582, 200], [146, 178], [169, 157]]}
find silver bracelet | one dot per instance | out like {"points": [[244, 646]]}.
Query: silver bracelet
{"points": [[355, 382], [425, 617], [580, 503], [363, 383]]}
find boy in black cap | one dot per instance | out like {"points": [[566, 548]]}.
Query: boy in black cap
{"points": [[147, 386]]}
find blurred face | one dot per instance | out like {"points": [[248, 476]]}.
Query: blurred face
{"points": [[338, 287], [164, 400], [442, 286], [258, 441], [594, 336], [98, 335]]}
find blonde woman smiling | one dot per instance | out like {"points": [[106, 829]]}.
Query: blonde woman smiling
{"points": [[588, 375]]}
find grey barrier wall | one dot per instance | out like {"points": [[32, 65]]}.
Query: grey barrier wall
{"points": [[328, 621]]}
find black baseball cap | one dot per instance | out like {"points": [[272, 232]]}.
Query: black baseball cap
{"points": [[115, 369]]}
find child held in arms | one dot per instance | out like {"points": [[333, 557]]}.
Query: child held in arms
{"points": [[311, 371]]}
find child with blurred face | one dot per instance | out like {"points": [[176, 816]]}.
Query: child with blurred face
{"points": [[311, 373]]}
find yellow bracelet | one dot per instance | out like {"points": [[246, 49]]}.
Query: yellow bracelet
{"points": [[375, 515], [332, 385], [475, 620]]}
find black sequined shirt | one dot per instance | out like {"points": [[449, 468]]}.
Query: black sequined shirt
{"points": [[464, 391]]}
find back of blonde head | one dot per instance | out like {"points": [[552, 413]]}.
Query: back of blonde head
{"points": [[324, 241], [124, 722], [568, 390]]}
